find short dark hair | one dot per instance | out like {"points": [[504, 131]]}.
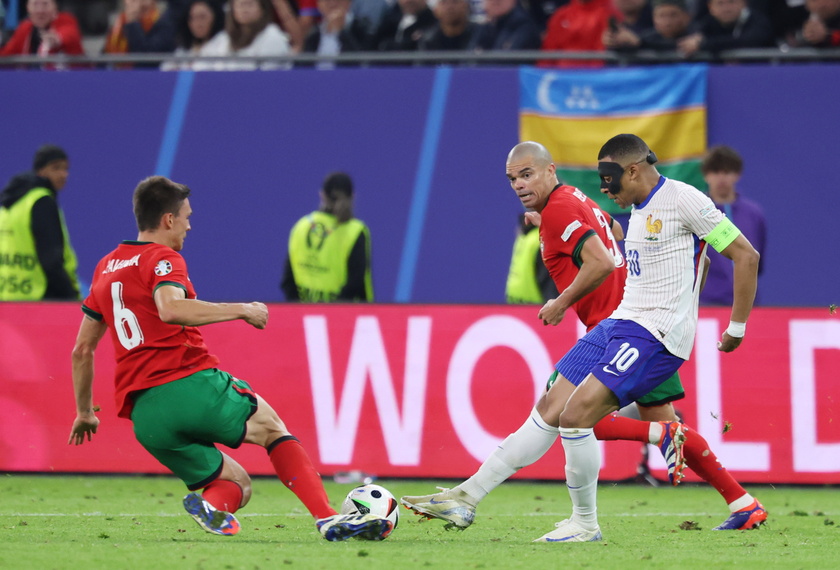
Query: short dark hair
{"points": [[154, 197], [722, 158], [46, 154], [624, 146], [338, 182]]}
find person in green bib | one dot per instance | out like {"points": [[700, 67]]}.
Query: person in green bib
{"points": [[329, 250], [37, 261]]}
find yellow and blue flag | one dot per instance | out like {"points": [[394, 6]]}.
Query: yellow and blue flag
{"points": [[574, 112]]}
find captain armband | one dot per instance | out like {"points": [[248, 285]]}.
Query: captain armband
{"points": [[723, 234]]}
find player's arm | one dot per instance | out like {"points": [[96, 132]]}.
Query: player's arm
{"points": [[706, 264], [597, 264], [174, 308], [86, 422], [617, 230], [745, 281]]}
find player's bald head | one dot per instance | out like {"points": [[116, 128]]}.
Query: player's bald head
{"points": [[532, 150]]}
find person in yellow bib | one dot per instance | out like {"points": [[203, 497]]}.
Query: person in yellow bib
{"points": [[528, 280], [329, 250], [37, 261]]}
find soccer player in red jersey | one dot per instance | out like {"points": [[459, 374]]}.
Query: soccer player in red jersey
{"points": [[168, 383], [590, 275]]}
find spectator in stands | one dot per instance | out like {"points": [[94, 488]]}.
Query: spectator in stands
{"points": [[730, 24], [141, 28], [338, 32], [508, 28], [201, 22], [249, 31], [295, 18], [722, 167], [787, 17], [579, 26], [822, 29], [329, 250], [454, 31], [635, 14], [403, 25], [671, 22], [45, 32], [370, 11]]}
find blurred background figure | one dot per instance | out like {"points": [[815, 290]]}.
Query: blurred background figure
{"points": [[36, 259], [822, 28], [508, 27], [329, 250], [249, 31], [403, 25], [141, 28], [580, 26], [722, 167], [46, 31], [454, 30], [202, 20], [671, 22], [730, 24], [338, 32], [528, 280]]}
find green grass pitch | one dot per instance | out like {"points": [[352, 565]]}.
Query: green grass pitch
{"points": [[103, 522]]}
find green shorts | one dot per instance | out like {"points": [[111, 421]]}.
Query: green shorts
{"points": [[669, 391], [179, 422]]}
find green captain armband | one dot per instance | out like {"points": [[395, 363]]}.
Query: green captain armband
{"points": [[723, 234]]}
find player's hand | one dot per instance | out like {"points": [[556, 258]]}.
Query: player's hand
{"points": [[256, 315], [83, 425], [534, 218], [552, 312], [729, 343]]}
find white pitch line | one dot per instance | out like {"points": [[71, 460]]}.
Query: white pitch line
{"points": [[242, 515]]}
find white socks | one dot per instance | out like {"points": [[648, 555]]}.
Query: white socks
{"points": [[583, 462], [520, 449]]}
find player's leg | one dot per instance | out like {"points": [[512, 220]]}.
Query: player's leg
{"points": [[294, 468], [457, 506], [632, 363], [746, 511], [523, 447], [659, 426], [178, 436], [587, 404]]}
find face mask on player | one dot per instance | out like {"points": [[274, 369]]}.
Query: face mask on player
{"points": [[614, 171]]}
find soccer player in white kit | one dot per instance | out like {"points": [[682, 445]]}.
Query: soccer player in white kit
{"points": [[651, 333]]}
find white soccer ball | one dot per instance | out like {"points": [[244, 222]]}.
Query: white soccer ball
{"points": [[371, 499]]}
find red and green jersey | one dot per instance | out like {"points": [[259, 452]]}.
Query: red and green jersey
{"points": [[149, 351], [568, 220]]}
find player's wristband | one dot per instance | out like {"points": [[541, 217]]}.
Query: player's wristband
{"points": [[736, 330]]}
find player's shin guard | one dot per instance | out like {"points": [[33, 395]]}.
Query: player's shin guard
{"points": [[705, 463], [520, 449], [224, 495], [583, 461], [295, 470]]}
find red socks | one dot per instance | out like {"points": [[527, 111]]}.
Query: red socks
{"points": [[698, 456], [704, 462], [614, 426], [295, 470], [224, 495]]}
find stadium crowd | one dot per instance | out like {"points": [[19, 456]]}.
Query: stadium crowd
{"points": [[279, 28]]}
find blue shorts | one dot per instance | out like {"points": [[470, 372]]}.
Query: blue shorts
{"points": [[624, 356]]}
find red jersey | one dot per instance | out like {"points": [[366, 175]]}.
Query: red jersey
{"points": [[568, 220], [149, 351]]}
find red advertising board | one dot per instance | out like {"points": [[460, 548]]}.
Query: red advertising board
{"points": [[430, 390]]}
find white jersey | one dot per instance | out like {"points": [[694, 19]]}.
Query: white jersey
{"points": [[665, 257]]}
